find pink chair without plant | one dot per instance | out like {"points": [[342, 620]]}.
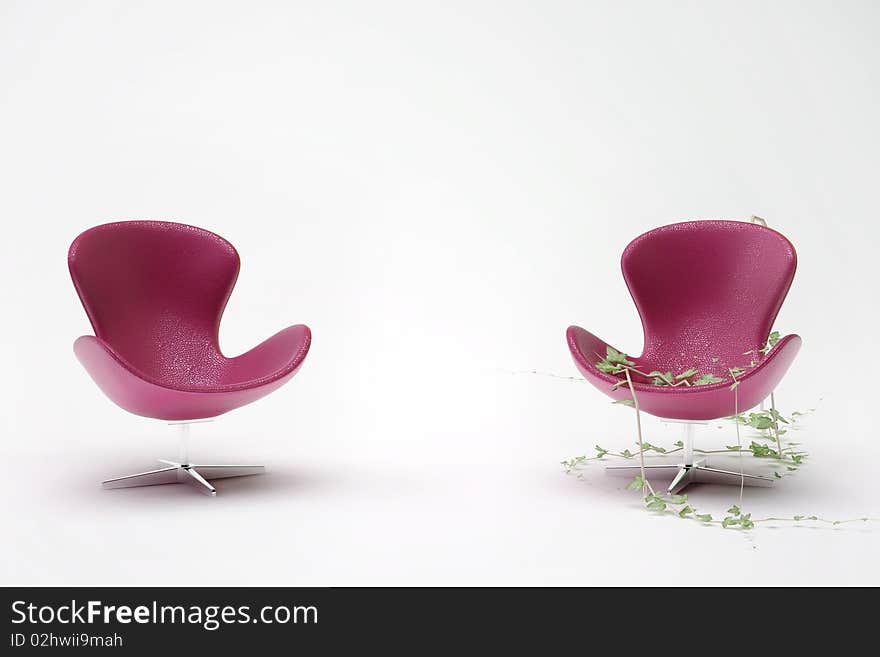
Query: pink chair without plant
{"points": [[154, 292]]}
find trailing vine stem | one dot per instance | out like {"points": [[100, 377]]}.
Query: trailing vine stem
{"points": [[734, 518], [618, 363], [774, 413], [762, 421], [572, 463], [644, 479], [742, 479]]}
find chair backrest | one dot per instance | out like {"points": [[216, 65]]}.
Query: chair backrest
{"points": [[155, 291], [707, 289]]}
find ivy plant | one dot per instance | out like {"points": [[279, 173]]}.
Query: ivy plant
{"points": [[762, 423], [768, 426]]}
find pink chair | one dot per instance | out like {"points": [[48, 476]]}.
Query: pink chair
{"points": [[707, 293], [154, 292]]}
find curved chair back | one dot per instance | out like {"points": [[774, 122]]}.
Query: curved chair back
{"points": [[707, 289], [155, 292]]}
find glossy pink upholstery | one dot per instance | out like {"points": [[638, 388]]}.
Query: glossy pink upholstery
{"points": [[705, 290], [155, 292]]}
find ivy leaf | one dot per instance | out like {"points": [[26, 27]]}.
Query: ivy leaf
{"points": [[707, 379], [648, 447], [661, 378], [600, 451], [761, 420], [685, 511], [729, 521], [626, 454], [772, 339], [679, 443], [704, 517], [734, 510], [678, 499], [624, 402], [762, 451], [636, 484], [657, 505], [687, 374], [614, 356]]}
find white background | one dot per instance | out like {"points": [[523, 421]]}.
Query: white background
{"points": [[437, 190]]}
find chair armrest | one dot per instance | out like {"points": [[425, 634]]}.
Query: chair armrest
{"points": [[271, 359], [587, 350]]}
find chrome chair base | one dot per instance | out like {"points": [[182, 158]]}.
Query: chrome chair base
{"points": [[691, 470], [685, 475], [184, 473]]}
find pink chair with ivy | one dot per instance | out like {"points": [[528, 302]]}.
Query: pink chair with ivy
{"points": [[154, 292], [707, 293]]}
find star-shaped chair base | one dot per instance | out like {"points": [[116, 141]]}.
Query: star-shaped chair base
{"points": [[184, 473], [691, 470], [685, 475]]}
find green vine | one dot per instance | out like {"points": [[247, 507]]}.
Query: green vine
{"points": [[615, 363], [768, 425], [764, 423]]}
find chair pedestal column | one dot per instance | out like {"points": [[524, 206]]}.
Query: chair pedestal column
{"points": [[184, 472], [690, 470]]}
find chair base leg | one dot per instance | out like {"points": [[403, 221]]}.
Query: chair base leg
{"points": [[196, 475], [685, 475], [691, 470]]}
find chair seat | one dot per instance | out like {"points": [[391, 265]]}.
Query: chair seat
{"points": [[213, 385], [707, 402]]}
